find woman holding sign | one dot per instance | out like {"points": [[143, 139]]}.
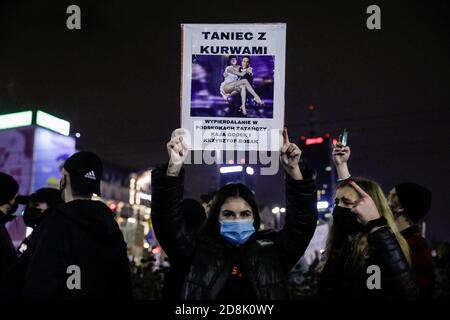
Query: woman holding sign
{"points": [[231, 258], [233, 85], [366, 255]]}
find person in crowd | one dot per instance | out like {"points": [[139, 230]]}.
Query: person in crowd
{"points": [[231, 259], [410, 202], [207, 201], [194, 217], [37, 206], [366, 256], [79, 251], [8, 206]]}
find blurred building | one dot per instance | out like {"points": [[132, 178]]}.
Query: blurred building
{"points": [[33, 148], [316, 154]]}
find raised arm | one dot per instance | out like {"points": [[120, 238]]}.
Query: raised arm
{"points": [[167, 195], [301, 208], [340, 156]]}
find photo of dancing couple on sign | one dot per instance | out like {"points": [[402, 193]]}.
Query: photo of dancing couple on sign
{"points": [[232, 86]]}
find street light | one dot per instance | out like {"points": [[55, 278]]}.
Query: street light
{"points": [[276, 211], [322, 205], [230, 169]]}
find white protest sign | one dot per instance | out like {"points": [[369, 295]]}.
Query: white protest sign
{"points": [[232, 90]]}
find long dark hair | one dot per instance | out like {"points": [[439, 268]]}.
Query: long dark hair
{"points": [[232, 190]]}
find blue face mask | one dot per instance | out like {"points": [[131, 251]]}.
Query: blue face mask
{"points": [[237, 232]]}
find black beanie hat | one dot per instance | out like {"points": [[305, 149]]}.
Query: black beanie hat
{"points": [[8, 188], [415, 200]]}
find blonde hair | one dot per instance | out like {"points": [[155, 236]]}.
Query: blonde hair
{"points": [[360, 246]]}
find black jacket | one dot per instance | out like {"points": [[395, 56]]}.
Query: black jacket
{"points": [[340, 281], [13, 278], [7, 252], [265, 258], [81, 233]]}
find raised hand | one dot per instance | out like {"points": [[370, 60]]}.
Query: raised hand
{"points": [[340, 154], [365, 209], [177, 149], [290, 157]]}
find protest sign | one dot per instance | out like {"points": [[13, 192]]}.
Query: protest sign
{"points": [[232, 90]]}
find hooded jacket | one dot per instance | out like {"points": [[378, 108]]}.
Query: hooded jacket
{"points": [[209, 261], [84, 234]]}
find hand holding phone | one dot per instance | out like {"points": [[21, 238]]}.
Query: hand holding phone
{"points": [[343, 138], [341, 152]]}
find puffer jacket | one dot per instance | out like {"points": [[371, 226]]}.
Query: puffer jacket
{"points": [[266, 257], [340, 281]]}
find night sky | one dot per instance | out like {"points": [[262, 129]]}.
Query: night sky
{"points": [[117, 80]]}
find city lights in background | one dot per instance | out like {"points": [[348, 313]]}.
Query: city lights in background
{"points": [[77, 135], [322, 205], [144, 180], [48, 121], [277, 210], [230, 169], [156, 250], [310, 141], [131, 220], [15, 120], [145, 196], [43, 119]]}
